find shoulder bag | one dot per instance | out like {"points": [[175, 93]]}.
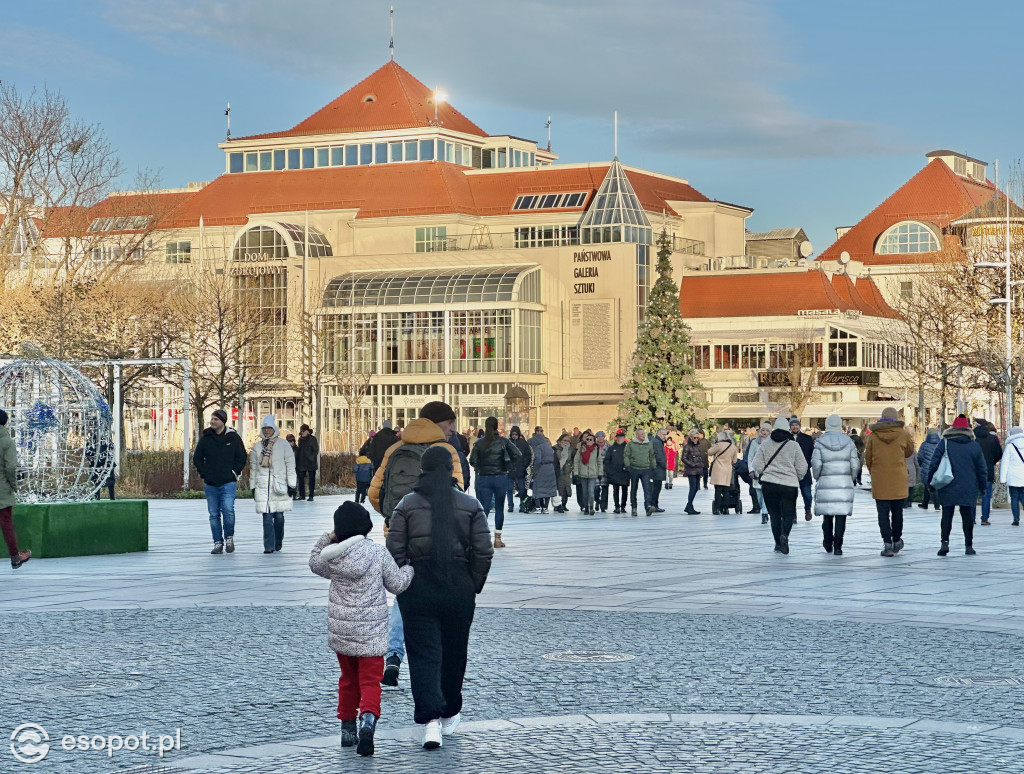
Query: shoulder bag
{"points": [[943, 475], [772, 458]]}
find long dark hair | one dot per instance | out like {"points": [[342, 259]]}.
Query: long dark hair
{"points": [[435, 484], [490, 432]]}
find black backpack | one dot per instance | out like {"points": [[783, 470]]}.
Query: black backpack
{"points": [[400, 475]]}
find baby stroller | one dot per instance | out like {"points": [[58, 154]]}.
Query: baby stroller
{"points": [[731, 496]]}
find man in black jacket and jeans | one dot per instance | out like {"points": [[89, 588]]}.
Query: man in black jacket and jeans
{"points": [[993, 452], [307, 460], [220, 457], [806, 444]]}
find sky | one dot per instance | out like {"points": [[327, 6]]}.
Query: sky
{"points": [[811, 113]]}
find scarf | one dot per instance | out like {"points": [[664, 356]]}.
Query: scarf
{"points": [[563, 454], [586, 452], [267, 455]]}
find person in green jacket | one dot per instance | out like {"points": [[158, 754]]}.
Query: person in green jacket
{"points": [[640, 464], [8, 488]]}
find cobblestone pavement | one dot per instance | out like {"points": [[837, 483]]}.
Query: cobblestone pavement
{"points": [[232, 650]]}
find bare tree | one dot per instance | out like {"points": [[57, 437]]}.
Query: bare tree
{"points": [[347, 346]]}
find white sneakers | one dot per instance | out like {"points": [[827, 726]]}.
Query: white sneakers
{"points": [[432, 735], [450, 725]]}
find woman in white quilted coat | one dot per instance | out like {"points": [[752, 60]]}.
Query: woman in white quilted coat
{"points": [[272, 478], [835, 464]]}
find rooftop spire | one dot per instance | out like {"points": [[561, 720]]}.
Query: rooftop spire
{"points": [[391, 45]]}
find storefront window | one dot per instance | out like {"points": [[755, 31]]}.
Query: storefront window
{"points": [[268, 295], [413, 342], [842, 349], [350, 343], [529, 342], [481, 341]]}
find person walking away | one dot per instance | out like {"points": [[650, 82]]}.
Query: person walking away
{"points": [[563, 457], [660, 468], [383, 440], [758, 496], [363, 468], [970, 477], [601, 489], [492, 458], [360, 571], [295, 448], [924, 458], [461, 446], [544, 475], [307, 461], [588, 467], [8, 493], [272, 476], [695, 462], [443, 534], [723, 455], [858, 441], [885, 453], [834, 463], [640, 463], [615, 472], [393, 479], [705, 444], [220, 458], [1011, 471], [807, 447], [518, 468], [992, 450], [671, 459], [364, 451], [780, 466]]}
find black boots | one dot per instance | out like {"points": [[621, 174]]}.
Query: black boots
{"points": [[348, 733], [367, 725], [944, 548]]}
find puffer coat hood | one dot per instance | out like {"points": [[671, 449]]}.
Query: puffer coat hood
{"points": [[926, 450], [885, 454], [357, 611], [834, 463]]}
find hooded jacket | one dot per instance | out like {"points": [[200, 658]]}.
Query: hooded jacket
{"points": [[991, 449], [363, 468], [518, 467], [545, 482], [789, 465], [640, 455], [357, 609], [270, 485], [694, 457], [1011, 469], [419, 431], [885, 454], [835, 463], [671, 453], [926, 450], [615, 464], [219, 457], [970, 474], [8, 469], [409, 539], [307, 458]]}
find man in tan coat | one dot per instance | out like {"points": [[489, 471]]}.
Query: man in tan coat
{"points": [[885, 454]]}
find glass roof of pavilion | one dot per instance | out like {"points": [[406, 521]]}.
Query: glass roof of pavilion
{"points": [[615, 208], [446, 287]]}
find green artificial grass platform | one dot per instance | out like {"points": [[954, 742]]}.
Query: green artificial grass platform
{"points": [[83, 529]]}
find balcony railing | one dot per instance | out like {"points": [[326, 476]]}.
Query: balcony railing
{"points": [[688, 246]]}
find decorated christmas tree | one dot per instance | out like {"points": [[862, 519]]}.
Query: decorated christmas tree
{"points": [[662, 389]]}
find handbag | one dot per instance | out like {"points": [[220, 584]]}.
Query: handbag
{"points": [[280, 487], [943, 475]]}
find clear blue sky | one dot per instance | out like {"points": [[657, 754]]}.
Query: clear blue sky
{"points": [[808, 112]]}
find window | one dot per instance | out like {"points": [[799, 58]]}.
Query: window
{"points": [[266, 161], [251, 162], [350, 343], [397, 151], [906, 238], [546, 236], [643, 280], [431, 239], [744, 397], [412, 151], [293, 158], [907, 290], [351, 155], [753, 356], [727, 356], [529, 341], [128, 223], [481, 341], [702, 356], [380, 153], [426, 150], [549, 201], [842, 349], [178, 252], [235, 162], [323, 157], [278, 159], [366, 153], [260, 243], [307, 158], [413, 342], [960, 166], [112, 254], [268, 295], [785, 356]]}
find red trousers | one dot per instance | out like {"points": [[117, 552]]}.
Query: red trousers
{"points": [[359, 685], [7, 527]]}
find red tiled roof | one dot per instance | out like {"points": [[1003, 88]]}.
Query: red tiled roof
{"points": [[400, 101], [934, 195], [60, 222], [863, 295], [774, 294], [415, 188], [868, 290]]}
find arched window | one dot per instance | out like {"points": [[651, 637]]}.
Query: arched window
{"points": [[906, 238]]}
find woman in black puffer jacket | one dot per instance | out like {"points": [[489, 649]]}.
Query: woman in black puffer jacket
{"points": [[443, 533], [492, 458]]}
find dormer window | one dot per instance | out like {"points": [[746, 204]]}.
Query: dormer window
{"points": [[906, 238]]}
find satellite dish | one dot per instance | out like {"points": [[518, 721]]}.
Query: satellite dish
{"points": [[844, 257], [806, 249]]}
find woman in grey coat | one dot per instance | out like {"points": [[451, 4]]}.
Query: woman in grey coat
{"points": [[779, 464], [835, 463], [545, 482]]}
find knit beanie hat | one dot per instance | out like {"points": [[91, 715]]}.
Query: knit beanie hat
{"points": [[767, 426], [437, 411], [351, 519], [269, 421], [782, 423], [386, 424], [222, 415], [1016, 430], [961, 422], [890, 413], [600, 434], [834, 422]]}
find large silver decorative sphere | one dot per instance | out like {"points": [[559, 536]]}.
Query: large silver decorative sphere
{"points": [[61, 428]]}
